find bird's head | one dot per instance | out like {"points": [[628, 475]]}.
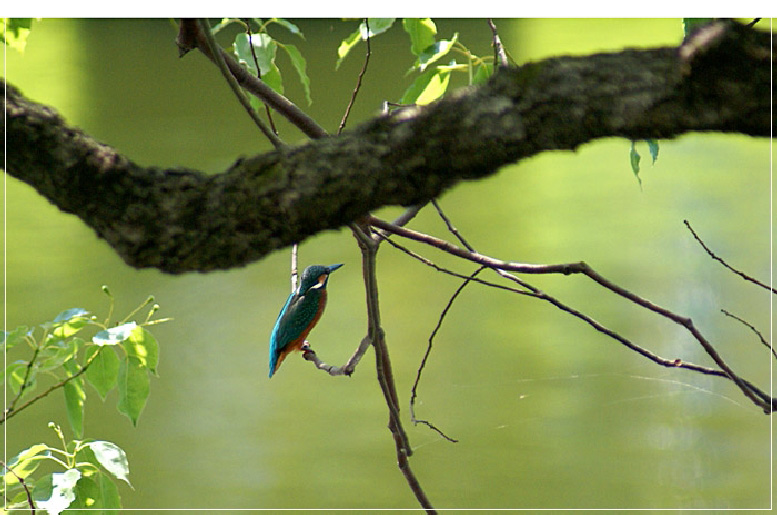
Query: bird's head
{"points": [[316, 276]]}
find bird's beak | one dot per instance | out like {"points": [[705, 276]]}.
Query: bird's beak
{"points": [[332, 268]]}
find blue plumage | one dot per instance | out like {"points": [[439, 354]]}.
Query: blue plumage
{"points": [[300, 314]]}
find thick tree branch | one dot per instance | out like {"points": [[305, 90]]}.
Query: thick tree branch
{"points": [[181, 220]]}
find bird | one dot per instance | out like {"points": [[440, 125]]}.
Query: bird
{"points": [[300, 314]]}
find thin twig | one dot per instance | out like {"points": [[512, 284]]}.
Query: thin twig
{"points": [[756, 395], [358, 81], [722, 262], [259, 73], [539, 294], [369, 248], [565, 269], [756, 331], [222, 65], [8, 413], [408, 215], [453, 230], [345, 370], [24, 485], [294, 274], [500, 56], [23, 386], [444, 270], [369, 244], [414, 389], [690, 327]]}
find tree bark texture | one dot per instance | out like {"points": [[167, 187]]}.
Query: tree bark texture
{"points": [[181, 220]]}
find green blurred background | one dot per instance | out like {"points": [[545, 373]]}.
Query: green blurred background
{"points": [[548, 412]]}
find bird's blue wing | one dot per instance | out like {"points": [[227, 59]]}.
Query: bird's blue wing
{"points": [[279, 338], [296, 315]]}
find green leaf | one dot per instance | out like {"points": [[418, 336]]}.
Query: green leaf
{"points": [[288, 26], [69, 314], [436, 51], [653, 147], [14, 375], [57, 495], [634, 158], [483, 73], [114, 335], [427, 88], [75, 396], [133, 383], [690, 24], [300, 65], [377, 26], [112, 458], [14, 32], [17, 502], [242, 49], [103, 372], [25, 463], [42, 489], [346, 45], [70, 327], [94, 493], [422, 32], [142, 345], [224, 23], [257, 104], [265, 49], [87, 496], [273, 79], [56, 352], [67, 323], [110, 495], [10, 338]]}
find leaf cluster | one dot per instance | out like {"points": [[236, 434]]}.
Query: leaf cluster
{"points": [[86, 482], [435, 59], [257, 50], [122, 357], [14, 32]]}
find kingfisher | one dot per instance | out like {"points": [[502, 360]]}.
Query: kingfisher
{"points": [[300, 314]]}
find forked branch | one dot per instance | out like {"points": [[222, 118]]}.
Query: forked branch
{"points": [[756, 395]]}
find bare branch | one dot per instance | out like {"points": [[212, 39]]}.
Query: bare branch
{"points": [[475, 257], [757, 396], [744, 322], [369, 244], [358, 80], [345, 370], [500, 56], [722, 262], [450, 226], [414, 389]]}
